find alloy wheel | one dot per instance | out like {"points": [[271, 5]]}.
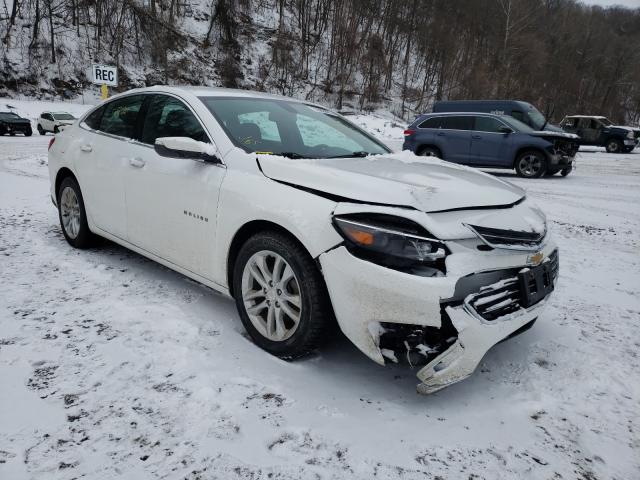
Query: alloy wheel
{"points": [[271, 295], [70, 212], [530, 165]]}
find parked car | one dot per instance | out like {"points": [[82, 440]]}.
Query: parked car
{"points": [[601, 132], [13, 123], [54, 122], [302, 217], [522, 111], [491, 141]]}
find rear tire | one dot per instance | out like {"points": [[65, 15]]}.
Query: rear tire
{"points": [[28, 133], [41, 131], [531, 164], [614, 146], [72, 214], [56, 130], [566, 171], [430, 152], [280, 295]]}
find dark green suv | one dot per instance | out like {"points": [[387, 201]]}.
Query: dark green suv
{"points": [[601, 132]]}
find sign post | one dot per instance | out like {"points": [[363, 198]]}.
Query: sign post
{"points": [[105, 76]]}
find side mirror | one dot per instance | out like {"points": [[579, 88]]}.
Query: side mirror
{"points": [[505, 130], [187, 148]]}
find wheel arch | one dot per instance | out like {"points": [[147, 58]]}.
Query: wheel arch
{"points": [[423, 146], [63, 173], [529, 148], [245, 232]]}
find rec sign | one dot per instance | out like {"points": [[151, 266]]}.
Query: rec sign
{"points": [[104, 75]]}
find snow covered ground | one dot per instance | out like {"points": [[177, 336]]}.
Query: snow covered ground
{"points": [[112, 366]]}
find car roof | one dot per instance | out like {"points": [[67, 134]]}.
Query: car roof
{"points": [[200, 91]]}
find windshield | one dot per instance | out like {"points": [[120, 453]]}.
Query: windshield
{"points": [[63, 116], [516, 124], [292, 129], [605, 121], [536, 119], [8, 115]]}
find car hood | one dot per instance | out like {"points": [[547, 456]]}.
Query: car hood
{"points": [[625, 128], [15, 121], [552, 134], [400, 179]]}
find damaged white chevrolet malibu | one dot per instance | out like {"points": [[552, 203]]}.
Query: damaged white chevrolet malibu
{"points": [[304, 218]]}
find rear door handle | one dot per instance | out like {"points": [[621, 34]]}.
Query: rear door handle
{"points": [[137, 162], [440, 134], [86, 148], [476, 137]]}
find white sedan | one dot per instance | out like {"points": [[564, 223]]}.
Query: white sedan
{"points": [[305, 220]]}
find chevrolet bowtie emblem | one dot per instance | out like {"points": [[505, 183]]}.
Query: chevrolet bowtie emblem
{"points": [[535, 258]]}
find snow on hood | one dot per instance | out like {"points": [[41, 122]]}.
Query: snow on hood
{"points": [[549, 133], [623, 127], [401, 179]]}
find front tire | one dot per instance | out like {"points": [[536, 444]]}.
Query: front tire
{"points": [[614, 146], [280, 295], [56, 130], [41, 131], [531, 164], [72, 214]]}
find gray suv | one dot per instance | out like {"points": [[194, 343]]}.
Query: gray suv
{"points": [[492, 141]]}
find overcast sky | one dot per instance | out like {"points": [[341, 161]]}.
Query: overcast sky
{"points": [[607, 3]]}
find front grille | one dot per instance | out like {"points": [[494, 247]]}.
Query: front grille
{"points": [[504, 297], [496, 300], [511, 239]]}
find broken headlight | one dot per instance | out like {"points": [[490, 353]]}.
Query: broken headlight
{"points": [[393, 242]]}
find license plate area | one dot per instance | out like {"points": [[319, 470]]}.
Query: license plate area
{"points": [[535, 284]]}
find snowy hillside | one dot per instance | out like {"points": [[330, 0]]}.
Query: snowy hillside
{"points": [[384, 55]]}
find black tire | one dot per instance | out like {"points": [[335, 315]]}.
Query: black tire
{"points": [[566, 171], [13, 134], [41, 131], [315, 311], [614, 145], [429, 151], [531, 164], [84, 238], [56, 130], [28, 133]]}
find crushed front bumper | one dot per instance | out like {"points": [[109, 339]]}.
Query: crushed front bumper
{"points": [[367, 297]]}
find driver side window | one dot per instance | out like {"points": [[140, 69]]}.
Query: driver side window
{"points": [[169, 117]]}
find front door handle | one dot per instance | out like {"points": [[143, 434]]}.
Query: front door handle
{"points": [[86, 148], [136, 162], [440, 134], [476, 137]]}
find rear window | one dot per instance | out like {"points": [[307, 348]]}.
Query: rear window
{"points": [[118, 117], [457, 123], [431, 123]]}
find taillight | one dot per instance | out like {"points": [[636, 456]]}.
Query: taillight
{"points": [[408, 133], [53, 139]]}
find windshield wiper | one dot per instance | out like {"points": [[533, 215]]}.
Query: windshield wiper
{"points": [[290, 155], [360, 154]]}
